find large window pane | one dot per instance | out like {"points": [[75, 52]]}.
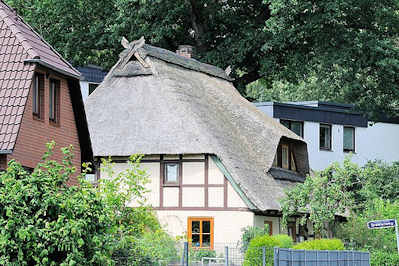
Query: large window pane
{"points": [[349, 139], [296, 127]]}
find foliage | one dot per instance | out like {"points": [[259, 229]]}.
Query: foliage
{"points": [[321, 244], [285, 241], [249, 232], [383, 258], [282, 43], [358, 64], [322, 196], [198, 254], [356, 234], [45, 222], [253, 255]]}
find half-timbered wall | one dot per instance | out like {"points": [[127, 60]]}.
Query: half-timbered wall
{"points": [[201, 185]]}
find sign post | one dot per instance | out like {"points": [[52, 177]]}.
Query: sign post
{"points": [[385, 224]]}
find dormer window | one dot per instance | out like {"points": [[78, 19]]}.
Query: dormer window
{"points": [[38, 96], [285, 157]]}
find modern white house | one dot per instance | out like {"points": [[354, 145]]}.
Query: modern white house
{"points": [[216, 163], [91, 77], [333, 131]]}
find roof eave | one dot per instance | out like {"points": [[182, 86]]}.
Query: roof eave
{"points": [[45, 64]]}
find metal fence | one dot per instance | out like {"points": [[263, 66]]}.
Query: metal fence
{"points": [[233, 254], [292, 257]]}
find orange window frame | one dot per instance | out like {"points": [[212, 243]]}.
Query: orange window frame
{"points": [[190, 220]]}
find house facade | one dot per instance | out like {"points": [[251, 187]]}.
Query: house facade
{"points": [[216, 164], [91, 77], [333, 131], [40, 98]]}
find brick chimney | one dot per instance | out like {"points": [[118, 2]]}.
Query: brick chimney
{"points": [[185, 50]]}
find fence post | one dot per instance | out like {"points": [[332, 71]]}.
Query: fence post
{"points": [[263, 256], [226, 256], [184, 257], [276, 258]]}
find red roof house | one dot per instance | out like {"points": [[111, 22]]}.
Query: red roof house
{"points": [[40, 98]]}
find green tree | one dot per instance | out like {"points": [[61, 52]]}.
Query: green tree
{"points": [[321, 197], [337, 50], [45, 222], [341, 50]]}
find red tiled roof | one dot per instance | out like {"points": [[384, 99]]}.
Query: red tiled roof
{"points": [[19, 44]]}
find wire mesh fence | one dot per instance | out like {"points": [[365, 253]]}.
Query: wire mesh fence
{"points": [[233, 254]]}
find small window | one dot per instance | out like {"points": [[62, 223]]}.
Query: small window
{"points": [[54, 101], [171, 173], [92, 87], [294, 126], [200, 232], [349, 139], [325, 137], [285, 157], [38, 95]]}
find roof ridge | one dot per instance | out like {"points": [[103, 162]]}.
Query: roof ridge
{"points": [[27, 46]]}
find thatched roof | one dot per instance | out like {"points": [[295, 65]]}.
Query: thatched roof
{"points": [[154, 101]]}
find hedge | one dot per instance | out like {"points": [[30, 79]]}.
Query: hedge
{"points": [[321, 244]]}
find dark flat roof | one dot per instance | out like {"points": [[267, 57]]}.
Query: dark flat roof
{"points": [[92, 73], [322, 112]]}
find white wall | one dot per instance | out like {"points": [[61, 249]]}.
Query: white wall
{"points": [[259, 221], [227, 224], [378, 141], [84, 88]]}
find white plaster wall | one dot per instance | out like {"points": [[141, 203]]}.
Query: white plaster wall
{"points": [[215, 176], [378, 141], [170, 196], [193, 197], [259, 221], [84, 89], [227, 224], [193, 173], [233, 199], [215, 196]]}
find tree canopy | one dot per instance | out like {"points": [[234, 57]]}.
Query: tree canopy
{"points": [[344, 51]]}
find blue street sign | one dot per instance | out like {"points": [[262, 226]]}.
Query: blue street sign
{"points": [[385, 224], [381, 224]]}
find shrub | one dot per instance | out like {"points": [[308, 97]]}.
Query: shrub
{"points": [[250, 232], [383, 258], [321, 244], [253, 256], [198, 254], [45, 222], [285, 241]]}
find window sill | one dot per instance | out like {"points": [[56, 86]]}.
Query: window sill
{"points": [[330, 150], [54, 124], [171, 185], [37, 118], [346, 151]]}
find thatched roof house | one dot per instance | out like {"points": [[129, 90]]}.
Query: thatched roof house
{"points": [[154, 101]]}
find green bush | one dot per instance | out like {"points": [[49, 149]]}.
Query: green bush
{"points": [[285, 241], [249, 232], [382, 258], [45, 222], [321, 244], [253, 256]]}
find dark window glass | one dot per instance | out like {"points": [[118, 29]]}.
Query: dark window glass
{"points": [[38, 95], [325, 137], [92, 87], [349, 139], [294, 126], [54, 96]]}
